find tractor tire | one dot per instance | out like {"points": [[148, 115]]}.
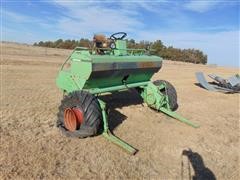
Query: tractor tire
{"points": [[91, 115], [170, 91]]}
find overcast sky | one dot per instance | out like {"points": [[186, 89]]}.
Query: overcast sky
{"points": [[211, 26]]}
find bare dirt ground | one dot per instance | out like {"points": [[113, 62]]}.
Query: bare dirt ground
{"points": [[33, 148]]}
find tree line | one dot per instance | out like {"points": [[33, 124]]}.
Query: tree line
{"points": [[167, 52]]}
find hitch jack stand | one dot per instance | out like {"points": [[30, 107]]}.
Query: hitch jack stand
{"points": [[167, 110], [108, 135], [178, 117]]}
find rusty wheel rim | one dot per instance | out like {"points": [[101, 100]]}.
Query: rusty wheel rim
{"points": [[73, 118]]}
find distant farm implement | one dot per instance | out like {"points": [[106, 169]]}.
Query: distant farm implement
{"points": [[109, 67], [229, 85]]}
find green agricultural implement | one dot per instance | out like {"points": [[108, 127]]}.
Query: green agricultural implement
{"points": [[109, 67]]}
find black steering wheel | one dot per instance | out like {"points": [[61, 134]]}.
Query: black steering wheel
{"points": [[118, 36]]}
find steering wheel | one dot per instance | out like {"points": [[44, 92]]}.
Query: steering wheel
{"points": [[118, 36]]}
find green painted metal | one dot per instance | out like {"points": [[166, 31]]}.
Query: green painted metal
{"points": [[89, 71], [117, 88], [121, 48], [178, 117], [119, 69], [153, 97], [108, 135]]}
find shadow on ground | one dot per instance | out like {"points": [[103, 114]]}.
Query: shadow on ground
{"points": [[201, 172], [199, 85], [119, 100]]}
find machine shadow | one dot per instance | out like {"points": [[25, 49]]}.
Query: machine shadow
{"points": [[199, 85], [123, 98], [212, 83], [119, 100], [115, 118], [201, 171]]}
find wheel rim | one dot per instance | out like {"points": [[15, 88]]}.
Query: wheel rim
{"points": [[73, 118], [79, 115]]}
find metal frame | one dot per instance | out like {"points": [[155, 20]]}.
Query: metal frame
{"points": [[162, 102], [108, 135], [162, 106]]}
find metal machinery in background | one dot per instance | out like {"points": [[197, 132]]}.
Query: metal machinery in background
{"points": [[229, 85], [109, 67]]}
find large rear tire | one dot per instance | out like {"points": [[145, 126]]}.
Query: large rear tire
{"points": [[170, 91], [88, 109]]}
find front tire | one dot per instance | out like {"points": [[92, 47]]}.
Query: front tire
{"points": [[88, 120]]}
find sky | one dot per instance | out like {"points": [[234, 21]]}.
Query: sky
{"points": [[211, 26]]}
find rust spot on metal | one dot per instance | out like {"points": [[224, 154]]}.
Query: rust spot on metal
{"points": [[146, 64]]}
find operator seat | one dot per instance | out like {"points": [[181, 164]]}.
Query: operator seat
{"points": [[100, 41]]}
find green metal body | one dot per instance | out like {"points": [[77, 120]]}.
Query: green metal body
{"points": [[153, 97], [116, 70], [88, 71]]}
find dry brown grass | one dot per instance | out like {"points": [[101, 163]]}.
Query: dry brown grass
{"points": [[33, 148]]}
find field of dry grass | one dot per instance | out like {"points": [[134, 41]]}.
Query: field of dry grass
{"points": [[33, 148]]}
